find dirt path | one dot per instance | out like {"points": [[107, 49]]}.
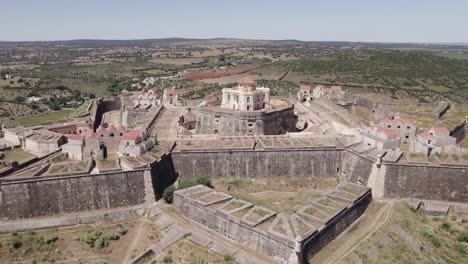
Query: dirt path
{"points": [[381, 219], [127, 257]]}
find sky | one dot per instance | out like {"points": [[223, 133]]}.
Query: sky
{"points": [[430, 21]]}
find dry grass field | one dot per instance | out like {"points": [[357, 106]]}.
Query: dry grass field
{"points": [[284, 195]]}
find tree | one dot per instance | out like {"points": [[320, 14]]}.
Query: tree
{"points": [[168, 194], [19, 99]]}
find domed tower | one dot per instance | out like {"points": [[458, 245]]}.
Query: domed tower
{"points": [[246, 84]]}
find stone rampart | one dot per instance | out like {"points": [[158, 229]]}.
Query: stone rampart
{"points": [[317, 162], [287, 237], [236, 123], [443, 183], [61, 195], [356, 167]]}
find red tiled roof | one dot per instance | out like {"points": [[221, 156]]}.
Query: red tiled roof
{"points": [[168, 91], [335, 88], [130, 135], [93, 135], [75, 137], [424, 134], [305, 88], [111, 128], [246, 80], [440, 129]]}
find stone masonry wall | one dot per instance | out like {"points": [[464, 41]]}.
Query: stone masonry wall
{"points": [[355, 167], [426, 182], [236, 231], [229, 123], [264, 163], [52, 196], [336, 226]]}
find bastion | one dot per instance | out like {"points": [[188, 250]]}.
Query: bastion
{"points": [[226, 122], [289, 238]]}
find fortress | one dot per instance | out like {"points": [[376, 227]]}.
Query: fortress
{"points": [[245, 137], [246, 110], [271, 157]]}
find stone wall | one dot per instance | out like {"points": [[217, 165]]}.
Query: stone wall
{"points": [[335, 226], [320, 162], [459, 131], [229, 227], [105, 105], [356, 167], [234, 123], [162, 175], [59, 195], [426, 182]]}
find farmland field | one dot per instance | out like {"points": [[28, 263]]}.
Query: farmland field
{"points": [[43, 118]]}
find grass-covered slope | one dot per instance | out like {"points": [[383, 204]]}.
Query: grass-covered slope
{"points": [[422, 75]]}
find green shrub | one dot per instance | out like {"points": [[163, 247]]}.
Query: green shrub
{"points": [[14, 242], [446, 225], [89, 239], [185, 185], [111, 236], [461, 248], [204, 180], [122, 231], [463, 236], [228, 258], [168, 194], [101, 242], [50, 239], [167, 259]]}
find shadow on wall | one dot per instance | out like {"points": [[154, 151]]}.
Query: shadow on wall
{"points": [[162, 175]]}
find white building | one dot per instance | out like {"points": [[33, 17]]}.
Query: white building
{"points": [[334, 92], [246, 96], [144, 100], [434, 140], [405, 127], [381, 138]]}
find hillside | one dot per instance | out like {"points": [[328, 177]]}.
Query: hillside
{"points": [[398, 73]]}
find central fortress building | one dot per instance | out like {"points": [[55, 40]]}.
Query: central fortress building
{"points": [[246, 110]]}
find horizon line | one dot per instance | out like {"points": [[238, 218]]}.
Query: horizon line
{"points": [[233, 38]]}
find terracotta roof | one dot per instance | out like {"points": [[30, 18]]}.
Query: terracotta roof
{"points": [[305, 88], [133, 135], [246, 80], [424, 134], [440, 129], [168, 91], [335, 88], [111, 128], [75, 137], [94, 135]]}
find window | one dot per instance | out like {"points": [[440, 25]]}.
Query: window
{"points": [[248, 99], [408, 127], [407, 137], [248, 107], [229, 97], [121, 134], [111, 134], [389, 126], [398, 126]]}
